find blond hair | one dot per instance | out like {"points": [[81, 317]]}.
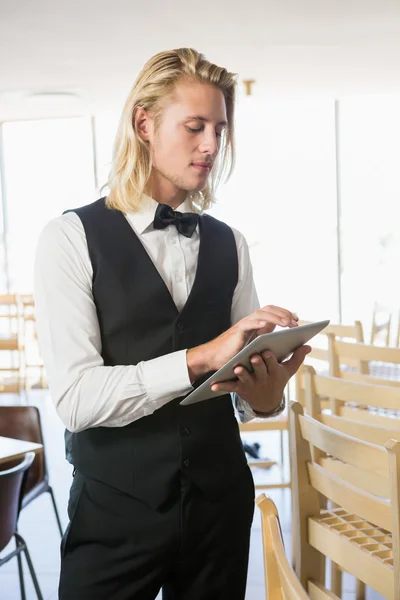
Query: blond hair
{"points": [[131, 163]]}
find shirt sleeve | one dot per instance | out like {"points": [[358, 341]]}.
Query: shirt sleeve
{"points": [[245, 301], [85, 392]]}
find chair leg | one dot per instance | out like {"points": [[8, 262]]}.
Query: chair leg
{"points": [[33, 574], [22, 544], [293, 532], [21, 574], [50, 490], [360, 590], [336, 579], [282, 450]]}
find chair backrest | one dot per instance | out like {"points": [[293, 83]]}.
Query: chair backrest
{"points": [[380, 328], [365, 403], [23, 423], [353, 417], [355, 533], [280, 580], [320, 356], [10, 345], [347, 332], [11, 485], [340, 353]]}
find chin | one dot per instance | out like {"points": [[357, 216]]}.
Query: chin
{"points": [[197, 186]]}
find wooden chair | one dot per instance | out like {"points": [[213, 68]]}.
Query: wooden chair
{"points": [[11, 368], [361, 533], [280, 580], [319, 356], [349, 332], [365, 404], [353, 402], [341, 353], [320, 353], [355, 415], [32, 360]]}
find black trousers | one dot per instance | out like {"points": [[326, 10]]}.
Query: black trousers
{"points": [[117, 548]]}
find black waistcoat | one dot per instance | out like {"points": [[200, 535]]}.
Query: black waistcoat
{"points": [[139, 321]]}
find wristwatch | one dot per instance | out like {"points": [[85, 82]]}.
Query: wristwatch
{"points": [[273, 413]]}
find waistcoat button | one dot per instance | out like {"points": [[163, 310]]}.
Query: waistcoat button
{"points": [[186, 462], [181, 325]]}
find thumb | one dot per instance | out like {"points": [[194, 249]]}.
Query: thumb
{"points": [[296, 360]]}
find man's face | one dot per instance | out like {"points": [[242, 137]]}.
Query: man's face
{"points": [[187, 140]]}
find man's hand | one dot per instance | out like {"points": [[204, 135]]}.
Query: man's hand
{"points": [[213, 355], [263, 388]]}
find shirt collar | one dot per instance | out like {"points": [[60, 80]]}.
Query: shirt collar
{"points": [[144, 217]]}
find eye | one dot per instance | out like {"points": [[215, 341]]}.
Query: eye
{"points": [[192, 130]]}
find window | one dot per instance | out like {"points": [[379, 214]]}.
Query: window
{"points": [[48, 168], [370, 205], [282, 197]]}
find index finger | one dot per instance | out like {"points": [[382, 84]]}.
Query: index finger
{"points": [[285, 317]]}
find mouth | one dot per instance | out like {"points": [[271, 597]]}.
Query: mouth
{"points": [[203, 167]]}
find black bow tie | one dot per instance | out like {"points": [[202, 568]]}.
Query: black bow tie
{"points": [[185, 223]]}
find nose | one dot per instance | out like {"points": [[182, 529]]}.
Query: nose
{"points": [[209, 143]]}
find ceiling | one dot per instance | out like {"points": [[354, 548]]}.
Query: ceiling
{"points": [[96, 47]]}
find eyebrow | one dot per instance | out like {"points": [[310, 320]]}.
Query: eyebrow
{"points": [[198, 118]]}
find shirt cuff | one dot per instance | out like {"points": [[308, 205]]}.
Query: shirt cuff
{"points": [[167, 377], [246, 413]]}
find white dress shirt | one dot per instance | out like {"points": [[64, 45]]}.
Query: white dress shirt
{"points": [[85, 392]]}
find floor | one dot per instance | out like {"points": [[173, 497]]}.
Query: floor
{"points": [[38, 526]]}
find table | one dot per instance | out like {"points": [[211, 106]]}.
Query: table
{"points": [[11, 449]]}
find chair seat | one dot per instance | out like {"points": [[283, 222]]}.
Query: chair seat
{"points": [[356, 545]]}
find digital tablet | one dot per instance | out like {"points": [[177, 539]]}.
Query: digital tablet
{"points": [[282, 343]]}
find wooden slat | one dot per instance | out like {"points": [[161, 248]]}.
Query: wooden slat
{"points": [[370, 482], [373, 434], [9, 343], [317, 591], [354, 331], [277, 424], [342, 331], [365, 378], [8, 299], [263, 464], [365, 505], [359, 393], [272, 486], [367, 352], [318, 354], [365, 416], [360, 454]]}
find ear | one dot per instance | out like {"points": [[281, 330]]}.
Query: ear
{"points": [[143, 124]]}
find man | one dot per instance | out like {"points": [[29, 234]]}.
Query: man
{"points": [[136, 304]]}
